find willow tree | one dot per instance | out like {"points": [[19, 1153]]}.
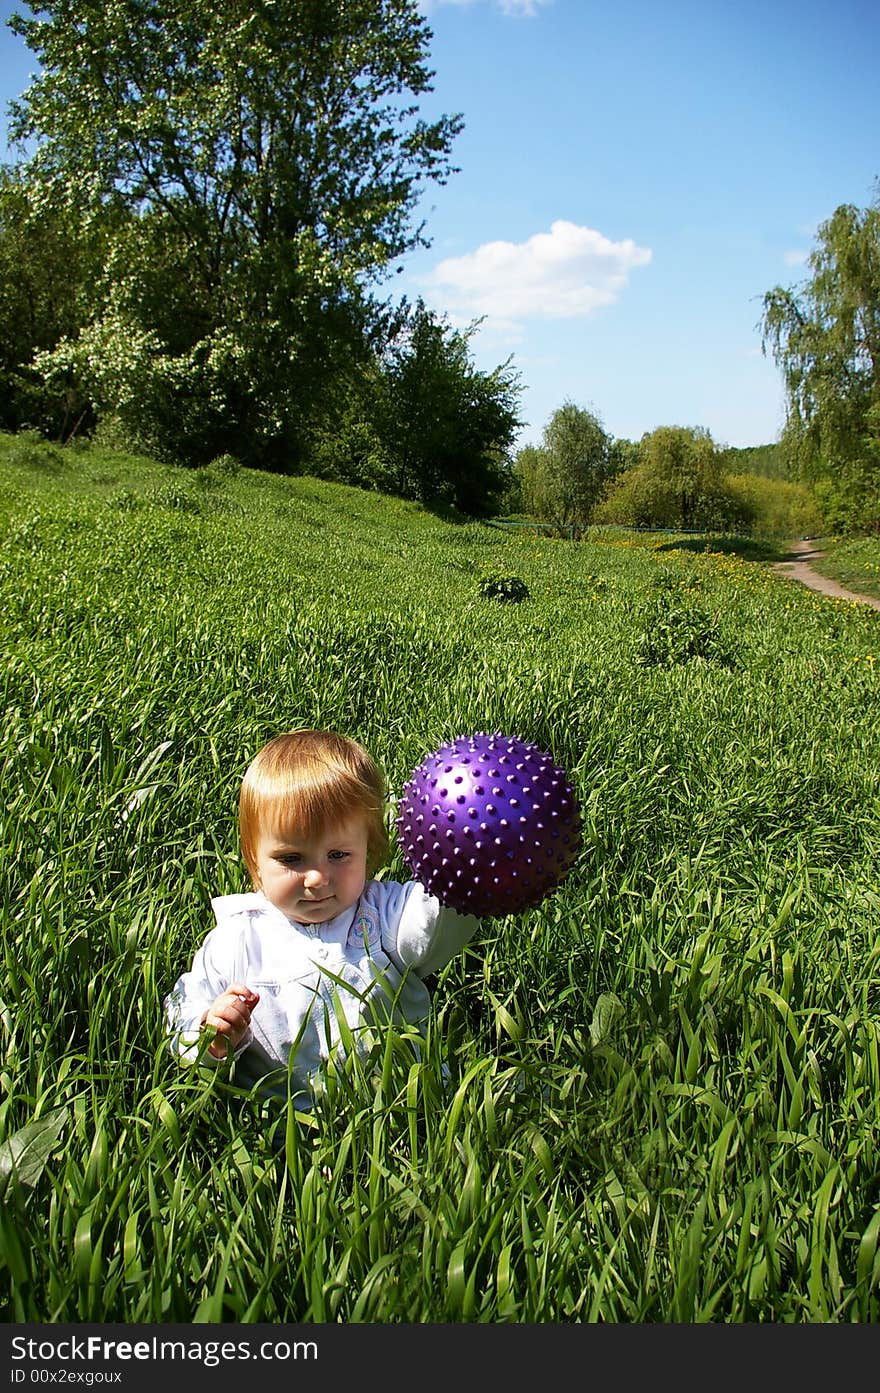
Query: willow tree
{"points": [[563, 478], [685, 461], [269, 155], [825, 337]]}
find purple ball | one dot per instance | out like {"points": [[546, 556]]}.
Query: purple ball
{"points": [[489, 824]]}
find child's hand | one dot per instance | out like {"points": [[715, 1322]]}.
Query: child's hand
{"points": [[230, 1014]]}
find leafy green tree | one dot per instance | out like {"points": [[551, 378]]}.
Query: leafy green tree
{"points": [[47, 255], [422, 421], [678, 482], [447, 426], [564, 477], [686, 461], [272, 156], [825, 337], [624, 454]]}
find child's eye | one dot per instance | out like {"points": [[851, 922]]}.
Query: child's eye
{"points": [[339, 855], [290, 859]]}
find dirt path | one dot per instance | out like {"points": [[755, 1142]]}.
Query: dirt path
{"points": [[798, 568]]}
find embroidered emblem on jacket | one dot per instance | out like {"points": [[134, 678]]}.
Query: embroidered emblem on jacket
{"points": [[364, 932]]}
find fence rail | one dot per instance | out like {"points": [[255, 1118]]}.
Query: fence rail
{"points": [[572, 531]]}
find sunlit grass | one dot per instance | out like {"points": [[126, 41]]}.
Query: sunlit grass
{"points": [[663, 1084], [854, 562]]}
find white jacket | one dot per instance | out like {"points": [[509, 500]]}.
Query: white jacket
{"points": [[368, 963]]}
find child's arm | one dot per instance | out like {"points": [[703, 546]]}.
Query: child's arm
{"points": [[211, 993], [428, 934], [230, 1015]]}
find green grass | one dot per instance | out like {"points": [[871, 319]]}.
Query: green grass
{"points": [[854, 562], [664, 1083]]}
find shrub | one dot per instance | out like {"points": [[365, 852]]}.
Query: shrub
{"points": [[351, 453], [780, 508], [848, 506], [225, 466], [494, 586], [675, 631], [642, 499], [638, 501]]}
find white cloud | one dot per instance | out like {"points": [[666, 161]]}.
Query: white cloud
{"points": [[795, 257], [521, 7], [565, 273], [526, 8]]}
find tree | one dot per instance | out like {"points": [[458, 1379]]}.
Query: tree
{"points": [[678, 482], [624, 454], [685, 459], [272, 156], [825, 337], [564, 477], [446, 426], [422, 421], [766, 461], [46, 256]]}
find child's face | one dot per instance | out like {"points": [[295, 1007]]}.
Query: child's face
{"points": [[312, 879]]}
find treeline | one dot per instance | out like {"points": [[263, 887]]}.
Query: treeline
{"points": [[766, 460], [675, 477], [824, 473], [191, 263]]}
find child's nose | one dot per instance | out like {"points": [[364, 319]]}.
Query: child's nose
{"points": [[314, 876]]}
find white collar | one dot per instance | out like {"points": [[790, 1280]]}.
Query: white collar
{"points": [[331, 931]]}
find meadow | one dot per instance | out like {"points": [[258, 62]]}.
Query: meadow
{"points": [[663, 1084], [855, 563]]}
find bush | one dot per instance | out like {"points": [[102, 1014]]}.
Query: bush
{"points": [[493, 586], [779, 508], [224, 466], [848, 506], [351, 453], [675, 631], [640, 499]]}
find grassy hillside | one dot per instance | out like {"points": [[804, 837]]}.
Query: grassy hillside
{"points": [[663, 1083], [855, 562]]}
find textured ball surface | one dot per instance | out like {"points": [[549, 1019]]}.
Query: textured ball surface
{"points": [[489, 824]]}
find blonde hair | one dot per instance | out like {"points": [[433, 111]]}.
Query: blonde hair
{"points": [[309, 780]]}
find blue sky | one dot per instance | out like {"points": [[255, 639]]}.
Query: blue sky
{"points": [[633, 178]]}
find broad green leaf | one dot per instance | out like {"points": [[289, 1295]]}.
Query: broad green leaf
{"points": [[24, 1155]]}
